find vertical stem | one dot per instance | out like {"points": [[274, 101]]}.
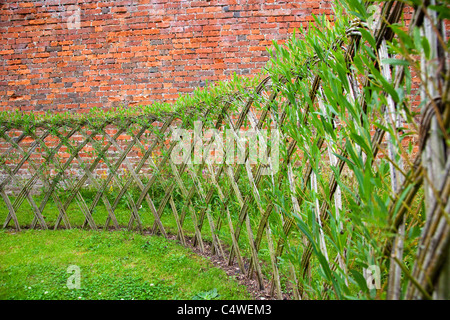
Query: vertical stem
{"points": [[391, 116], [323, 246], [427, 272]]}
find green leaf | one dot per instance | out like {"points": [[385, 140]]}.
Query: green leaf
{"points": [[395, 62], [360, 280], [368, 37], [426, 47], [444, 11], [387, 86], [403, 36], [362, 143], [417, 38]]}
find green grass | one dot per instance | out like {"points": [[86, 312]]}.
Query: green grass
{"points": [[113, 265]]}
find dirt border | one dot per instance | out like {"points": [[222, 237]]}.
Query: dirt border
{"points": [[232, 271]]}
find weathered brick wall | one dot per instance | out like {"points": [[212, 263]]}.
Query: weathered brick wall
{"points": [[79, 54]]}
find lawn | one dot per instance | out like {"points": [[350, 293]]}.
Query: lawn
{"points": [[39, 264]]}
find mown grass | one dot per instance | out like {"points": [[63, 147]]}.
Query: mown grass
{"points": [[25, 216], [113, 265]]}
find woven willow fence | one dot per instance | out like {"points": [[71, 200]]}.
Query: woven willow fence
{"points": [[127, 163]]}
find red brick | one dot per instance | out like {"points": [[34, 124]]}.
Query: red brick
{"points": [[153, 50]]}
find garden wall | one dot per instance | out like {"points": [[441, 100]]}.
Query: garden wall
{"points": [[78, 54]]}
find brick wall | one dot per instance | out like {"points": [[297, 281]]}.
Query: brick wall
{"points": [[75, 55]]}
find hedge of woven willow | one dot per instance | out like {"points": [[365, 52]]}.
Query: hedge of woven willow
{"points": [[349, 194]]}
